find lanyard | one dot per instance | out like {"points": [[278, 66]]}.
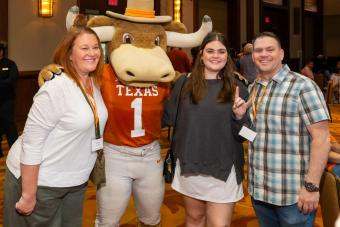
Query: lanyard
{"points": [[90, 100], [257, 102]]}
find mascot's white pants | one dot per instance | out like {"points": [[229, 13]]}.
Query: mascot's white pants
{"points": [[131, 170]]}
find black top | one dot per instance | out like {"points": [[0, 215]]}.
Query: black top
{"points": [[8, 76], [206, 138]]}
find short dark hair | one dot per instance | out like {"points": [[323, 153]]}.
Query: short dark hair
{"points": [[267, 34]]}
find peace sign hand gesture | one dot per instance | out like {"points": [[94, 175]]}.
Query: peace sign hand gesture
{"points": [[240, 106]]}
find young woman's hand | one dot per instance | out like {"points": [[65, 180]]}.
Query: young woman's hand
{"points": [[240, 106]]}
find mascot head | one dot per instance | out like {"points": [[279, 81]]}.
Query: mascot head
{"points": [[138, 41]]}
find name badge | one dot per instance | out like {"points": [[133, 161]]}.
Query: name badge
{"points": [[97, 144], [247, 133], [4, 69]]}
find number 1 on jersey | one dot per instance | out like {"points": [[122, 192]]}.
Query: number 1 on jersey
{"points": [[136, 104]]}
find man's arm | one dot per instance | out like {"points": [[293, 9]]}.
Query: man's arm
{"points": [[319, 148]]}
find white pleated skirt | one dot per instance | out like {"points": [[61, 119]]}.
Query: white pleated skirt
{"points": [[208, 188]]}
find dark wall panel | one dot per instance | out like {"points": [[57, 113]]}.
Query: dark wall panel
{"points": [[27, 86], [4, 20]]}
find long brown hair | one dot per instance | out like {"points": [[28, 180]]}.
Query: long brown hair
{"points": [[196, 85], [64, 49]]}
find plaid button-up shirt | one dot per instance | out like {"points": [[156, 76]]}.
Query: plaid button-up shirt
{"points": [[279, 156]]}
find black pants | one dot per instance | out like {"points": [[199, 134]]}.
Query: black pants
{"points": [[7, 121]]}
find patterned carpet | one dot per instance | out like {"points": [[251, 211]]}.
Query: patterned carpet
{"points": [[173, 213]]}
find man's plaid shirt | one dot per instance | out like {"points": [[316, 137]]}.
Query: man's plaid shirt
{"points": [[279, 156]]}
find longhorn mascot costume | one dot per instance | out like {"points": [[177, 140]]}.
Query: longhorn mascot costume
{"points": [[135, 87]]}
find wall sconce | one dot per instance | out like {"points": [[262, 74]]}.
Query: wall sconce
{"points": [[45, 8], [177, 10]]}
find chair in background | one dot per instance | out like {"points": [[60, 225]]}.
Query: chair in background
{"points": [[329, 198]]}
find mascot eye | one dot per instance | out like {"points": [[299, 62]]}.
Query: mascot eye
{"points": [[127, 38], [157, 41]]}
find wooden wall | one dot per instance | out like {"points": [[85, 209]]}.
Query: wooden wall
{"points": [[4, 20], [27, 86]]}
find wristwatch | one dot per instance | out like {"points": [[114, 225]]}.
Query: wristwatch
{"points": [[310, 187]]}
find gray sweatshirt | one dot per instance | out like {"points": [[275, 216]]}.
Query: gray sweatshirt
{"points": [[206, 137]]}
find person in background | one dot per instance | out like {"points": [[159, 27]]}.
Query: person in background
{"points": [[335, 78], [194, 52], [179, 59], [334, 156], [322, 67], [8, 76], [307, 70], [247, 66], [209, 169], [236, 56], [241, 53], [287, 157], [49, 165], [337, 67]]}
